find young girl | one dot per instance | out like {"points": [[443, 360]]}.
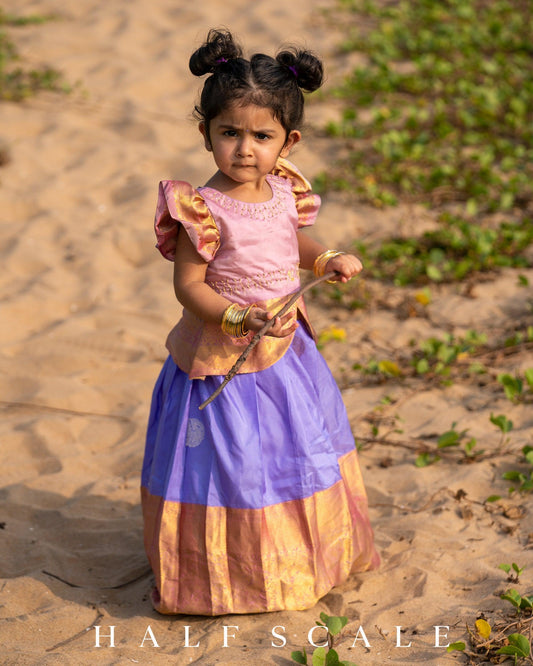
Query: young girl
{"points": [[256, 502]]}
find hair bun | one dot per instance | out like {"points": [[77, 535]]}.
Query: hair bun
{"points": [[304, 65], [218, 48]]}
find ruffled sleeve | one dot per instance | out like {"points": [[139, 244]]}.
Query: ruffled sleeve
{"points": [[307, 203], [179, 203]]}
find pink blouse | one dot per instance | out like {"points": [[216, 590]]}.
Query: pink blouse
{"points": [[252, 254]]}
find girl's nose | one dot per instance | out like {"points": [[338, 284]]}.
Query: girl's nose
{"points": [[244, 147]]}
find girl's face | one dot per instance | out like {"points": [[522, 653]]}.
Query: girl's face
{"points": [[246, 142]]}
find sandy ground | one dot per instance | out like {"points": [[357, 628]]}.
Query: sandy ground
{"points": [[86, 303]]}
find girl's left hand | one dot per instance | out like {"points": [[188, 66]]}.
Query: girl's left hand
{"points": [[347, 265], [282, 326]]}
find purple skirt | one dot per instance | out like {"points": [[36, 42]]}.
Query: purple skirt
{"points": [[236, 493]]}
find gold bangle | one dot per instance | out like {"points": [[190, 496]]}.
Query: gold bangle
{"points": [[319, 267], [245, 331], [233, 320]]}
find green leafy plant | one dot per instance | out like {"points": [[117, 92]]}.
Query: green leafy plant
{"points": [[16, 81], [523, 479], [518, 647], [517, 600], [519, 337], [447, 254], [425, 459], [434, 356], [513, 386], [528, 375], [489, 642], [31, 19], [384, 368], [440, 111], [451, 438], [512, 577], [504, 424], [437, 356], [458, 645], [428, 129], [331, 333], [456, 438], [323, 656]]}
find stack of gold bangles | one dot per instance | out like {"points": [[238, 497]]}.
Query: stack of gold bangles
{"points": [[319, 267], [233, 320]]}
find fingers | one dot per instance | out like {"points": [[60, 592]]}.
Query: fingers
{"points": [[281, 327], [346, 265]]}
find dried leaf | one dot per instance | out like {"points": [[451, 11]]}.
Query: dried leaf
{"points": [[483, 628]]}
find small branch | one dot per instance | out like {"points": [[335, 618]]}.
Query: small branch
{"points": [[61, 410], [62, 580], [409, 509], [91, 587], [96, 621], [419, 447], [504, 350], [253, 342]]}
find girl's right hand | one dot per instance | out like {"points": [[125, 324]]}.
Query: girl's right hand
{"points": [[282, 327]]}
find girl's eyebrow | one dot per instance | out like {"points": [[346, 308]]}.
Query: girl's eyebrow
{"points": [[255, 131]]}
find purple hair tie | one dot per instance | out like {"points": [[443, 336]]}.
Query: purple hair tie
{"points": [[221, 60], [294, 70]]}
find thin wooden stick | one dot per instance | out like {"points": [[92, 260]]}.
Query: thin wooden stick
{"points": [[96, 621], [242, 358]]}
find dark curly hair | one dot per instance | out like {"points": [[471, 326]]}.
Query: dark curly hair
{"points": [[273, 83]]}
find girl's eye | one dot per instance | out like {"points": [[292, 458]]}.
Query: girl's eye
{"points": [[262, 137], [230, 133]]}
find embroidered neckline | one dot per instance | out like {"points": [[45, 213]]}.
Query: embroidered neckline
{"points": [[260, 210]]}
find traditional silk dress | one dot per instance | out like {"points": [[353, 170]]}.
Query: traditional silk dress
{"points": [[255, 503]]}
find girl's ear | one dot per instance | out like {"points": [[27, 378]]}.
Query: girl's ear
{"points": [[203, 131], [292, 140]]}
